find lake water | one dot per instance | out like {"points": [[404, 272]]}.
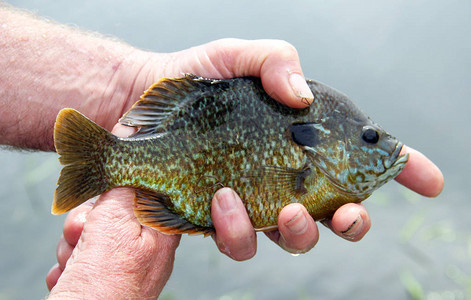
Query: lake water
{"points": [[406, 63]]}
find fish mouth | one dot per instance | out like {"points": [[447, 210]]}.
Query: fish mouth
{"points": [[397, 162]]}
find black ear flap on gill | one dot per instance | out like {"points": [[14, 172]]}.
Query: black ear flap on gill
{"points": [[305, 134]]}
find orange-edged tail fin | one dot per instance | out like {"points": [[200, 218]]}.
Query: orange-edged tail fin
{"points": [[80, 143]]}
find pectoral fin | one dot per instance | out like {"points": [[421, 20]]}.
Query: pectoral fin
{"points": [[152, 209], [283, 180]]}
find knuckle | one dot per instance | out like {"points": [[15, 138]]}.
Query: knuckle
{"points": [[283, 48]]}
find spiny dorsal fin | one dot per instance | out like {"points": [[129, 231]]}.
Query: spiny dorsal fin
{"points": [[151, 209], [163, 100]]}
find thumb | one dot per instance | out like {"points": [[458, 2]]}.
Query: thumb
{"points": [[275, 62]]}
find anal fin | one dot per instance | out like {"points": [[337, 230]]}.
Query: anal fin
{"points": [[152, 209]]}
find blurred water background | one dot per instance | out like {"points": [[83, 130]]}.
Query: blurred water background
{"points": [[406, 63]]}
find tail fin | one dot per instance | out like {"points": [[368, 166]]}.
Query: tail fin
{"points": [[80, 143]]}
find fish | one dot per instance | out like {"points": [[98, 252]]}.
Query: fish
{"points": [[196, 135]]}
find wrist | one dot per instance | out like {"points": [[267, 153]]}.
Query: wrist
{"points": [[47, 67], [133, 74]]}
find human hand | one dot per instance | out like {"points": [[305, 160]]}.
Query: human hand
{"points": [[275, 62], [297, 232]]}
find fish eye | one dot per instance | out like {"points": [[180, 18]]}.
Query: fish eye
{"points": [[370, 135]]}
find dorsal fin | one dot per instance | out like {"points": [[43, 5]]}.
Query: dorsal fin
{"points": [[162, 100]]}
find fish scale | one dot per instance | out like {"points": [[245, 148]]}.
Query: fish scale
{"points": [[196, 135]]}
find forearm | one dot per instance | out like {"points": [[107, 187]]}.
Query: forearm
{"points": [[45, 67]]}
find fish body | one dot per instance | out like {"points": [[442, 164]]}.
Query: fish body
{"points": [[196, 135]]}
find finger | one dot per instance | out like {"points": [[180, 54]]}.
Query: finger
{"points": [[276, 62], [235, 235], [73, 225], [123, 131], [420, 174], [351, 222], [297, 231], [63, 252], [53, 276]]}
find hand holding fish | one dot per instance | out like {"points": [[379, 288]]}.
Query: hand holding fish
{"points": [[105, 245]]}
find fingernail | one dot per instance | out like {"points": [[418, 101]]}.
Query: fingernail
{"points": [[300, 88], [223, 248], [226, 200], [298, 224], [354, 229]]}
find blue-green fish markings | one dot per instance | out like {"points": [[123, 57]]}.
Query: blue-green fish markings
{"points": [[196, 135]]}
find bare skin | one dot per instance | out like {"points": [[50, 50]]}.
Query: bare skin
{"points": [[104, 250]]}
